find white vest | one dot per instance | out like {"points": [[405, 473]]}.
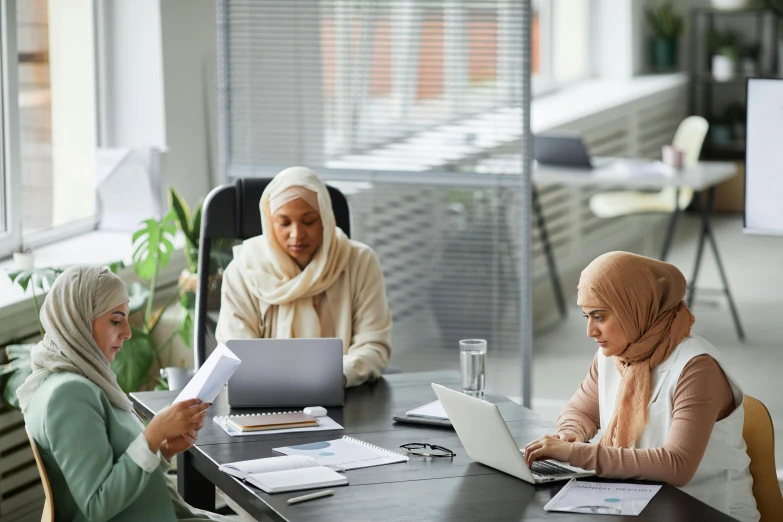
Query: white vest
{"points": [[722, 479]]}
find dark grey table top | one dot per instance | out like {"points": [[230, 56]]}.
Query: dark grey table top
{"points": [[439, 489]]}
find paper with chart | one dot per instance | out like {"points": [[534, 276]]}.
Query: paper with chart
{"points": [[603, 498], [346, 453], [211, 377]]}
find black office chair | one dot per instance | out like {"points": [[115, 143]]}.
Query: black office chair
{"points": [[230, 215]]}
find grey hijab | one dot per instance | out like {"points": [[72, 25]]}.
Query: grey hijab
{"points": [[79, 295]]}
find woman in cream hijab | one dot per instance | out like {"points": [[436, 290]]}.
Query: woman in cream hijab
{"points": [[303, 278], [668, 408], [102, 462]]}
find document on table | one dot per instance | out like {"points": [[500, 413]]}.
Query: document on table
{"points": [[211, 377], [605, 498]]}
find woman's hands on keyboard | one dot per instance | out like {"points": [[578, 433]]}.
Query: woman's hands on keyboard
{"points": [[548, 447]]}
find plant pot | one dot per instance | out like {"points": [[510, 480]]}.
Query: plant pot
{"points": [[730, 5], [176, 377], [23, 260], [723, 68], [663, 53]]}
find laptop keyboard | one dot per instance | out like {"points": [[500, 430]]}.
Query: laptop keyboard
{"points": [[549, 469]]}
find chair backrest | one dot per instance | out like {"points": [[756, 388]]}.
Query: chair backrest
{"points": [[231, 214], [689, 138], [759, 435], [48, 509]]}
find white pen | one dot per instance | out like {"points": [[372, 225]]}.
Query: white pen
{"points": [[325, 493]]}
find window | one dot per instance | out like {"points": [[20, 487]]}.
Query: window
{"points": [[53, 89], [56, 113], [560, 43]]}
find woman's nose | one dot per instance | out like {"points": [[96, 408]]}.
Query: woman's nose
{"points": [[592, 331], [127, 334]]}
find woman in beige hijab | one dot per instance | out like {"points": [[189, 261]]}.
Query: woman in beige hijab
{"points": [[668, 408], [102, 462], [303, 278]]}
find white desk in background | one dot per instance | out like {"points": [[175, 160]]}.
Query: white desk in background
{"points": [[638, 174]]}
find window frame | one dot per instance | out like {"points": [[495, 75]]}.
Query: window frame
{"points": [[11, 177], [10, 237], [546, 83]]}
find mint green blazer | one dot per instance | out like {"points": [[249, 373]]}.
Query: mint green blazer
{"points": [[83, 440]]}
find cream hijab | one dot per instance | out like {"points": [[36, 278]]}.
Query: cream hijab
{"points": [[647, 296], [274, 277], [78, 296]]}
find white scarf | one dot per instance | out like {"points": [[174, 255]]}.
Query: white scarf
{"points": [[275, 278], [78, 296]]}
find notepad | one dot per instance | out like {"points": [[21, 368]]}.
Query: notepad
{"points": [[271, 422], [346, 453], [605, 498], [281, 474]]}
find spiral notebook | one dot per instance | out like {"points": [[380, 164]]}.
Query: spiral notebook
{"points": [[324, 424], [346, 453]]}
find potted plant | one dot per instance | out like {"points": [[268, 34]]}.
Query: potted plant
{"points": [[724, 48], [23, 258], [666, 26]]}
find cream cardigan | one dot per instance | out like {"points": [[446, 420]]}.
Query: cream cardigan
{"points": [[356, 300]]}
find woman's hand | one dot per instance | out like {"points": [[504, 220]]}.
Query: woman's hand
{"points": [[548, 447], [179, 444], [175, 420]]}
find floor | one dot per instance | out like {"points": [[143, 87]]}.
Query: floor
{"points": [[562, 353]]}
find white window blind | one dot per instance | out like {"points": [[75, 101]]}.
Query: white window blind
{"points": [[401, 97]]}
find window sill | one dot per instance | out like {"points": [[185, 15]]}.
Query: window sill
{"points": [[592, 97], [17, 318]]}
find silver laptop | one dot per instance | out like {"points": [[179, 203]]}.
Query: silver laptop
{"points": [[486, 439], [287, 373], [564, 149]]}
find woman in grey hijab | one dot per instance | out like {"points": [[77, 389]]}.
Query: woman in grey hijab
{"points": [[102, 462]]}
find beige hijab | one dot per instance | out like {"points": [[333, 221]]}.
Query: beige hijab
{"points": [[647, 296], [78, 296], [274, 277]]}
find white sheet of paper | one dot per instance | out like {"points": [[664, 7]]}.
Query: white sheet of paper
{"points": [[211, 377], [431, 410]]}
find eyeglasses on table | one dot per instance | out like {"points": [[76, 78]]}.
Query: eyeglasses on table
{"points": [[421, 449]]}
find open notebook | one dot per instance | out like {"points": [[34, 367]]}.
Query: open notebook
{"points": [[281, 474], [345, 453]]}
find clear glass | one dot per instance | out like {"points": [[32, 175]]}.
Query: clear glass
{"points": [[473, 364]]}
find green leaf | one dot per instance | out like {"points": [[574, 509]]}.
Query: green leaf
{"points": [[138, 294], [17, 351], [152, 245], [196, 226], [133, 362], [116, 266], [180, 208], [186, 327]]}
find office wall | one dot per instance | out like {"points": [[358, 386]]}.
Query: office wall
{"points": [[188, 45], [157, 76]]}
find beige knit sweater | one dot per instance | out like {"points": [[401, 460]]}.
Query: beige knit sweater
{"points": [[356, 304]]}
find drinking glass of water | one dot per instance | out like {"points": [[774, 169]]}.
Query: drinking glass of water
{"points": [[473, 362]]}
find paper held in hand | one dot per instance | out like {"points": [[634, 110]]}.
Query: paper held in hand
{"points": [[211, 377]]}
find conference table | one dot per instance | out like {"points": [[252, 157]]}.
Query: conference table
{"points": [[453, 489]]}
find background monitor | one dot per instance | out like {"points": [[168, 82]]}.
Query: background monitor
{"points": [[764, 157]]}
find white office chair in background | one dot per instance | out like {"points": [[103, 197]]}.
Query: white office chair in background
{"points": [[689, 138]]}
